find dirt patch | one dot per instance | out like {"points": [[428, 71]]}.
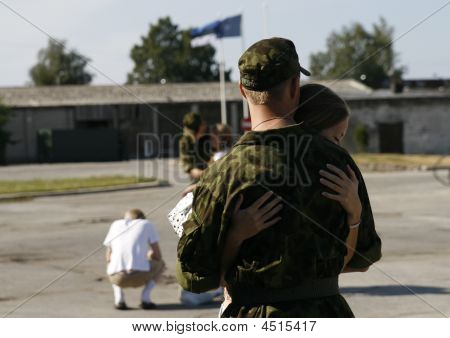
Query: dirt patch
{"points": [[100, 220], [21, 258]]}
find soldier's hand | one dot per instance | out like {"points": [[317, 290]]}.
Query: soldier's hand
{"points": [[248, 222], [346, 187]]}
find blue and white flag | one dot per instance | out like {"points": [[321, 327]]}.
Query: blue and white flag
{"points": [[203, 40], [210, 28], [228, 27]]}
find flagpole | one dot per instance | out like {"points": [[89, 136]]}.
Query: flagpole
{"points": [[223, 102], [244, 101], [265, 20]]}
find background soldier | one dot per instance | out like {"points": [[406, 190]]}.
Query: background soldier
{"points": [[194, 155]]}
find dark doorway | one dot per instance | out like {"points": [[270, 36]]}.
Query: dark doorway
{"points": [[85, 145], [94, 124], [391, 137]]}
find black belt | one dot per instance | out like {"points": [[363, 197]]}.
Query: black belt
{"points": [[316, 288]]}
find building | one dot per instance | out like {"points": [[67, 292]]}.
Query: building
{"points": [[106, 123], [95, 123]]}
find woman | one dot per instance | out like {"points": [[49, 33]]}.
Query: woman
{"points": [[324, 112]]}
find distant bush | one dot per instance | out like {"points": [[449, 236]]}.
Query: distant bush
{"points": [[361, 137]]}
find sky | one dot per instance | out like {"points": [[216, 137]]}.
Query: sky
{"points": [[106, 30]]}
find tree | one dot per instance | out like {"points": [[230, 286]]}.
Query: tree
{"points": [[359, 54], [56, 66], [5, 136], [165, 54]]}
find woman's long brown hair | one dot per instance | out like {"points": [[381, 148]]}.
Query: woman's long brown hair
{"points": [[320, 107]]}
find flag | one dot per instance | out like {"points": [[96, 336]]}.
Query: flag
{"points": [[203, 40], [210, 28], [228, 27]]}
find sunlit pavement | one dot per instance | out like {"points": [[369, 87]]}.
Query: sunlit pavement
{"points": [[42, 239]]}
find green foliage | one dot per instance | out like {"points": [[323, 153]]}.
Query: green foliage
{"points": [[5, 136], [370, 51], [361, 136], [56, 66], [67, 184], [166, 54]]}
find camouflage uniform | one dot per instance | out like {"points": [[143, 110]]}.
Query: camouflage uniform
{"points": [[193, 152], [305, 248], [190, 153]]}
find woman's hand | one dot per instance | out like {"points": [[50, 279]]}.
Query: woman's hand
{"points": [[248, 222], [346, 187]]}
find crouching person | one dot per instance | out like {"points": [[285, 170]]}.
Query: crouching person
{"points": [[134, 257]]}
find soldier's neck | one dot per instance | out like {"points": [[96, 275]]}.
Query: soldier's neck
{"points": [[265, 117]]}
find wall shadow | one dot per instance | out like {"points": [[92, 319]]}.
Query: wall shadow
{"points": [[179, 306], [395, 290]]}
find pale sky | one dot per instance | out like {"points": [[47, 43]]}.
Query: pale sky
{"points": [[105, 30]]}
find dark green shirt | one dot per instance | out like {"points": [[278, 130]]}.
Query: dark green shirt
{"points": [[307, 244]]}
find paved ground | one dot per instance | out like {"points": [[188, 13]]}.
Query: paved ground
{"points": [[43, 238]]}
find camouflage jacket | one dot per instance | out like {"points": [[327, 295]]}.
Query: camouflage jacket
{"points": [[191, 155], [307, 244]]}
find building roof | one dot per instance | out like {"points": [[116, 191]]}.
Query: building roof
{"points": [[54, 96], [51, 96]]}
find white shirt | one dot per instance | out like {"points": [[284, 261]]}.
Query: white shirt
{"points": [[130, 241]]}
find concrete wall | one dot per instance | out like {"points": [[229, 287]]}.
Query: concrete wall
{"points": [[426, 122]]}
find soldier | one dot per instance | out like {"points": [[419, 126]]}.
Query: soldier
{"points": [[194, 158], [291, 268]]}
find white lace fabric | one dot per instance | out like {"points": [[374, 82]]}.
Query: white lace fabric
{"points": [[178, 215]]}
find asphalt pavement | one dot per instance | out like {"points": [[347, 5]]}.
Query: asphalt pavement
{"points": [[53, 261]]}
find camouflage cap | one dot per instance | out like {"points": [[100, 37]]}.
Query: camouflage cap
{"points": [[192, 121], [269, 62]]}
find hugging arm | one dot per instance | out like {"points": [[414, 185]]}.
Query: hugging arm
{"points": [[246, 223], [345, 188], [368, 246], [197, 267]]}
